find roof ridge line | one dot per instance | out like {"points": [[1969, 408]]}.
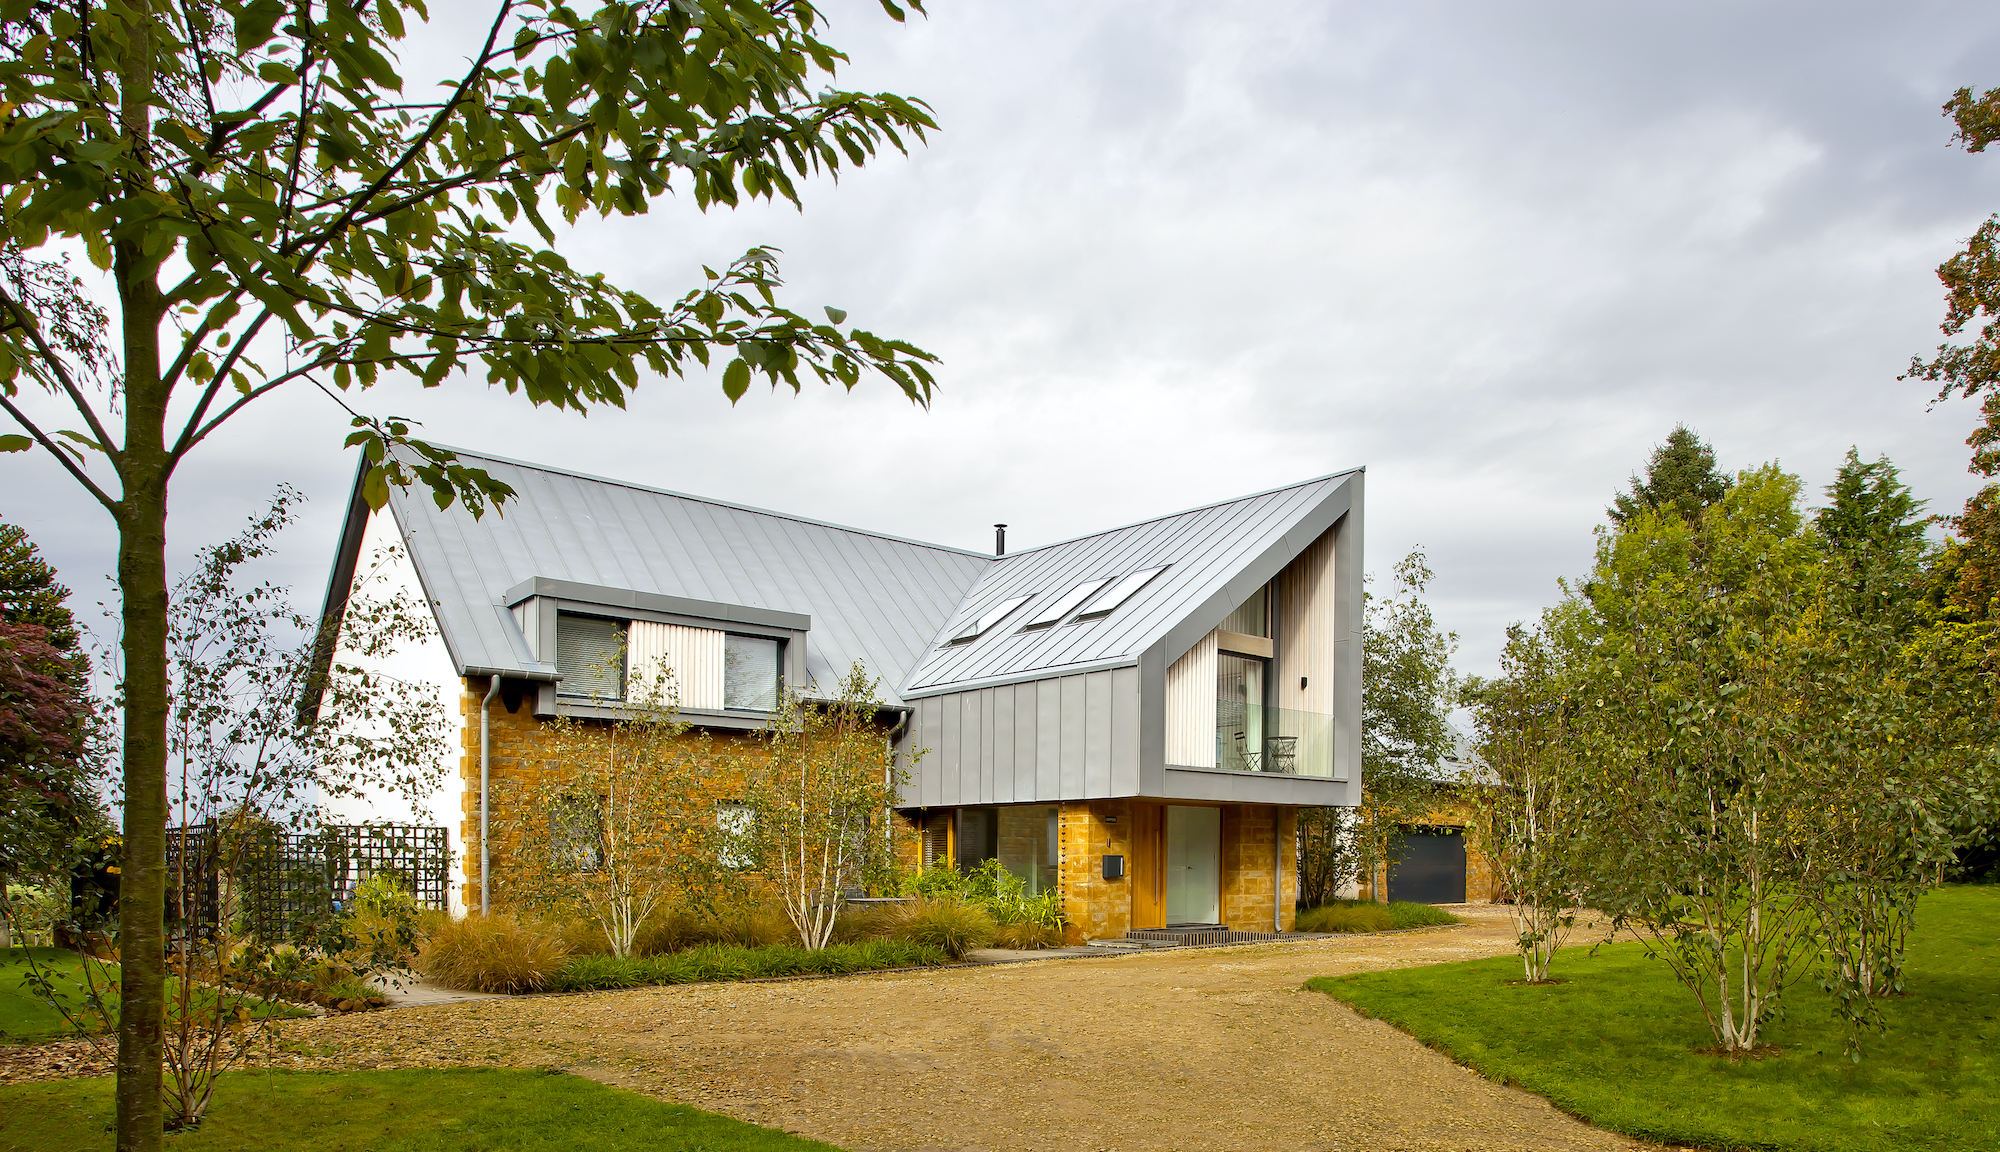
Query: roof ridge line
{"points": [[711, 500], [1186, 511]]}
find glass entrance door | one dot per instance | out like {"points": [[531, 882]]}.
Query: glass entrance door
{"points": [[1194, 865]]}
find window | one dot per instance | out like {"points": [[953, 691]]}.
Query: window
{"points": [[590, 656], [1250, 618], [1054, 613], [1239, 713], [750, 673], [988, 619], [1119, 593], [576, 832], [737, 823]]}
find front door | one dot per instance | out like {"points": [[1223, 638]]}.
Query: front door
{"points": [[1194, 865]]}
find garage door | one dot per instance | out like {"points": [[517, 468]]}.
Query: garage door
{"points": [[1429, 867]]}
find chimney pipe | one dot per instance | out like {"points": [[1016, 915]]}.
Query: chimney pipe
{"points": [[999, 539]]}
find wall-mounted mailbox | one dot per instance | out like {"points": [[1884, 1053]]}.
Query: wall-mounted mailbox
{"points": [[1114, 867]]}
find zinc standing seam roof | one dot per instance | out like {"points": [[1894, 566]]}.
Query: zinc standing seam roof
{"points": [[889, 603], [872, 598], [1202, 549]]}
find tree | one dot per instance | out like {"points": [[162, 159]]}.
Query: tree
{"points": [[622, 821], [271, 209], [1703, 743], [50, 763], [29, 593], [820, 786], [1407, 694], [252, 767], [1533, 810], [1681, 475]]}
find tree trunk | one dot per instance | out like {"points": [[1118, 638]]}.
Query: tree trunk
{"points": [[142, 585]]}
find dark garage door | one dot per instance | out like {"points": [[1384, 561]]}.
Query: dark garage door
{"points": [[1429, 867]]}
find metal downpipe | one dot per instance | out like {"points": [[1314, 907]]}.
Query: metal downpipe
{"points": [[485, 746]]}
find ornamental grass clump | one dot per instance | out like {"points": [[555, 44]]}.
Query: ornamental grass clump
{"points": [[1408, 914], [1347, 916], [491, 953], [951, 926]]}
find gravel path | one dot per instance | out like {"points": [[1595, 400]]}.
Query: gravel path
{"points": [[1196, 1049]]}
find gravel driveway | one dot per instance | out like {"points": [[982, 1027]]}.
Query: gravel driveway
{"points": [[1197, 1049]]}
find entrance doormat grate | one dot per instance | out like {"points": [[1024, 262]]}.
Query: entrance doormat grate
{"points": [[1199, 936]]}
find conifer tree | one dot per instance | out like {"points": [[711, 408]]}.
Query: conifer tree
{"points": [[1681, 474]]}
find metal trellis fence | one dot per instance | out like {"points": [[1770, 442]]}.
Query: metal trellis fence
{"points": [[286, 885]]}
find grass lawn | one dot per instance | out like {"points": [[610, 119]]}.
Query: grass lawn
{"points": [[1617, 1044], [410, 1111], [23, 1017]]}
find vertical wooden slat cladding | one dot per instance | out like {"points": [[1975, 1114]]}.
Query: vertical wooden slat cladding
{"points": [[692, 657], [1191, 706], [1305, 630]]}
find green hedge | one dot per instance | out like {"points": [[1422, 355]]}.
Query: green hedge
{"points": [[719, 962]]}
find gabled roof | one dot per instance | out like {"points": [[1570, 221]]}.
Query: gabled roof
{"points": [[1207, 553], [871, 597], [891, 604]]}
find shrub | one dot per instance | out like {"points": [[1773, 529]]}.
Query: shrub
{"points": [[494, 953], [1029, 935], [1408, 915], [1346, 916], [1368, 916], [858, 925], [744, 925], [951, 926], [721, 962]]}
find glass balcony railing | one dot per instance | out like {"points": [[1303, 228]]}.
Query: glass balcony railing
{"points": [[1256, 738]]}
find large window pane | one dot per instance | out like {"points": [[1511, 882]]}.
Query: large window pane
{"points": [[1027, 845], [1239, 712], [976, 835], [590, 656], [750, 673]]}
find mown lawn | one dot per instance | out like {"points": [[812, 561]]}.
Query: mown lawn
{"points": [[23, 1016], [408, 1111], [1618, 1044]]}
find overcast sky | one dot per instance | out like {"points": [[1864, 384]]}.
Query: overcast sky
{"points": [[1175, 253]]}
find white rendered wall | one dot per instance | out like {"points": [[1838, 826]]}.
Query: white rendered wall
{"points": [[427, 665]]}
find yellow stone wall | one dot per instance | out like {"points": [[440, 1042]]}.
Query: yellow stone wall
{"points": [[517, 760], [1250, 846], [1481, 885], [1089, 830]]}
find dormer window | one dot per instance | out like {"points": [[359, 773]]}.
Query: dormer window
{"points": [[750, 673], [590, 656]]}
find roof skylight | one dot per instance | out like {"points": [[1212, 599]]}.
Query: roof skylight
{"points": [[989, 618], [1119, 593], [1063, 607]]}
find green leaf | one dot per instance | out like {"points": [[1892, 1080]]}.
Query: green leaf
{"points": [[13, 443], [736, 379], [837, 315]]}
